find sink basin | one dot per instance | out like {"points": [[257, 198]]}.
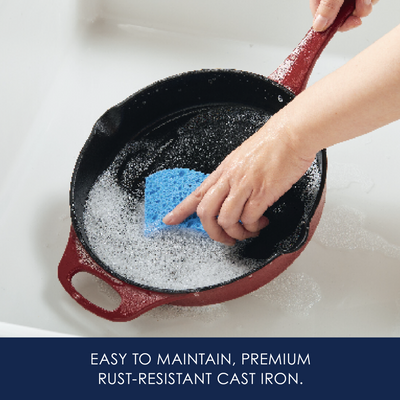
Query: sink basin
{"points": [[63, 65]]}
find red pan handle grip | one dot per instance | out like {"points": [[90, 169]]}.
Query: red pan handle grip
{"points": [[134, 300], [295, 71]]}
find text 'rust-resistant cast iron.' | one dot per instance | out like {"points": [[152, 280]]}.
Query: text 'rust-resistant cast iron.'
{"points": [[165, 104]]}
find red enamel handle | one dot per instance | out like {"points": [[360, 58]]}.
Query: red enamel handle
{"points": [[134, 300], [295, 71]]}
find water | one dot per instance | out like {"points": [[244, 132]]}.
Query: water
{"points": [[196, 139], [180, 259], [174, 259]]}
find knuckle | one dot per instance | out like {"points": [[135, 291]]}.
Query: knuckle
{"points": [[215, 237], [224, 222], [247, 219], [242, 235], [201, 211], [198, 193], [234, 230]]}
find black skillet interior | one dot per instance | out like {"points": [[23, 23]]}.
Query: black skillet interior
{"points": [[194, 120]]}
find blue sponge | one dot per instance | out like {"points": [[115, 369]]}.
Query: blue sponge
{"points": [[164, 191]]}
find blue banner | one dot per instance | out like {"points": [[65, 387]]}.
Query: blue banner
{"points": [[99, 368]]}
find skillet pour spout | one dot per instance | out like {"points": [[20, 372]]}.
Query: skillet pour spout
{"points": [[180, 122]]}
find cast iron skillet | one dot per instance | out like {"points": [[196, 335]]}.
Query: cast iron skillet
{"points": [[159, 113]]}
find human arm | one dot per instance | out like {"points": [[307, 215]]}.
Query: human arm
{"points": [[325, 12], [360, 97]]}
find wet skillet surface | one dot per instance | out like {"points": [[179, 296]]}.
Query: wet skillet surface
{"points": [[193, 121]]}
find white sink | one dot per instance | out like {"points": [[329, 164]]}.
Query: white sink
{"points": [[65, 63]]}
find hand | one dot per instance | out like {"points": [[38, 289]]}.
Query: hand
{"points": [[325, 12], [231, 201]]}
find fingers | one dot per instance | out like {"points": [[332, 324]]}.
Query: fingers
{"points": [[220, 210], [209, 210], [325, 13], [234, 219], [189, 205], [229, 205], [363, 8], [207, 201], [222, 213], [252, 215], [350, 23]]}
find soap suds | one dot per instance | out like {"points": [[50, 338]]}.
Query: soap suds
{"points": [[179, 259], [343, 228], [176, 259], [202, 314], [295, 293], [341, 176]]}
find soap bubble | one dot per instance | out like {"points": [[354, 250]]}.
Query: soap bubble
{"points": [[173, 259], [177, 259], [343, 228], [295, 293], [343, 175], [206, 314]]}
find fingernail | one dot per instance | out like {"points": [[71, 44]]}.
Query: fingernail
{"points": [[320, 23], [367, 2]]}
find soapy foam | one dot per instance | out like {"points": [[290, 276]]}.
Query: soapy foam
{"points": [[295, 293], [343, 228], [175, 259], [343, 175], [206, 314], [179, 259]]}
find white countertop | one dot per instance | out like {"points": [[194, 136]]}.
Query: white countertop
{"points": [[63, 65]]}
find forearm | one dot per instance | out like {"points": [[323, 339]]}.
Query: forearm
{"points": [[358, 98]]}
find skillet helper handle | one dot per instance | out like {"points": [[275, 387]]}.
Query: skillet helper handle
{"points": [[134, 301], [295, 71]]}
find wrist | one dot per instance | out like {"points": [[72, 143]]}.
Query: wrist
{"points": [[293, 135]]}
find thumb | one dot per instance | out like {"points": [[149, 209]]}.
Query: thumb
{"points": [[326, 14]]}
